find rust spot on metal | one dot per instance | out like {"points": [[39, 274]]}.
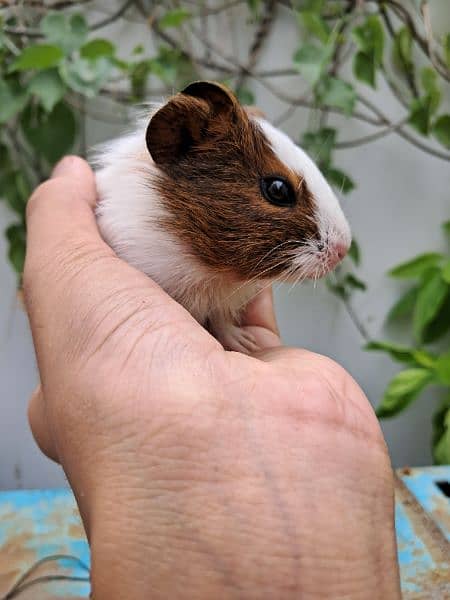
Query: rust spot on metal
{"points": [[435, 585], [423, 525]]}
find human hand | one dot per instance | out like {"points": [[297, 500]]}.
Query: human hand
{"points": [[199, 473]]}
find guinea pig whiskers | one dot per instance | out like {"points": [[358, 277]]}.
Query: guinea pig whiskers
{"points": [[277, 247]]}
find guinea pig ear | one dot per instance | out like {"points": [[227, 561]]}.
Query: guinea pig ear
{"points": [[221, 100], [175, 128], [203, 109]]}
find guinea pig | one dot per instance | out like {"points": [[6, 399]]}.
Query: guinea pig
{"points": [[214, 203]]}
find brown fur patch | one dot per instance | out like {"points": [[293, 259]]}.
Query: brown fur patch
{"points": [[213, 161]]}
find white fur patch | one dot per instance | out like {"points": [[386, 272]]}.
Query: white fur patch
{"points": [[333, 225]]}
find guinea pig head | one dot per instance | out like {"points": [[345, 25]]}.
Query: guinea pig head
{"points": [[240, 194]]}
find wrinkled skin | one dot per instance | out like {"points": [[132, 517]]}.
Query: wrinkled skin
{"points": [[199, 473]]}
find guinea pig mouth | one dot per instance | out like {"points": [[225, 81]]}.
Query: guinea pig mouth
{"points": [[313, 263]]}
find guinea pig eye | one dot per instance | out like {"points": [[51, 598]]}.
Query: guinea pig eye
{"points": [[278, 191]]}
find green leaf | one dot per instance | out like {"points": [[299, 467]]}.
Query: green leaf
{"points": [[245, 96], [86, 76], [445, 272], [14, 189], [430, 299], [48, 87], [355, 283], [40, 56], [404, 306], [442, 368], [254, 6], [401, 354], [339, 179], [52, 135], [320, 144], [430, 84], [97, 48], [364, 67], [314, 24], [446, 227], [16, 255], [440, 325], [441, 434], [174, 18], [311, 61], [67, 33], [339, 94], [446, 45], [421, 112], [402, 390], [402, 50], [415, 268], [15, 232], [13, 98], [354, 252], [369, 37], [338, 289], [441, 130]]}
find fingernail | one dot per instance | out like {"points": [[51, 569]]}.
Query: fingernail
{"points": [[65, 166]]}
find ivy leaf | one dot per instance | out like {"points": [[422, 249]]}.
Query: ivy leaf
{"points": [[441, 130], [339, 180], [311, 61], [404, 306], [40, 56], [364, 68], [48, 87], [370, 37], [354, 252], [67, 33], [50, 135], [97, 48], [174, 18], [314, 24], [13, 99], [402, 390], [430, 299], [338, 93], [416, 267]]}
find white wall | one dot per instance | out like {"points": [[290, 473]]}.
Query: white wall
{"points": [[401, 199]]}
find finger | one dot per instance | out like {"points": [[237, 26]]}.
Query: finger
{"points": [[39, 425], [260, 312]]}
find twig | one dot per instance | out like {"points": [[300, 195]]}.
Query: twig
{"points": [[371, 137]]}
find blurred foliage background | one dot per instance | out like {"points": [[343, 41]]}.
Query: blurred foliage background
{"points": [[55, 59]]}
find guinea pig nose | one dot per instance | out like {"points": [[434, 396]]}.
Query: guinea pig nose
{"points": [[339, 250]]}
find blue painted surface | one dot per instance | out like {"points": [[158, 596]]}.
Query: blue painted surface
{"points": [[34, 525], [38, 524]]}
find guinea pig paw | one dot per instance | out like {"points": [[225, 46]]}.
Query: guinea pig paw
{"points": [[237, 339]]}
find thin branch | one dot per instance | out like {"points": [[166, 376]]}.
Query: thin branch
{"points": [[37, 34], [371, 137]]}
